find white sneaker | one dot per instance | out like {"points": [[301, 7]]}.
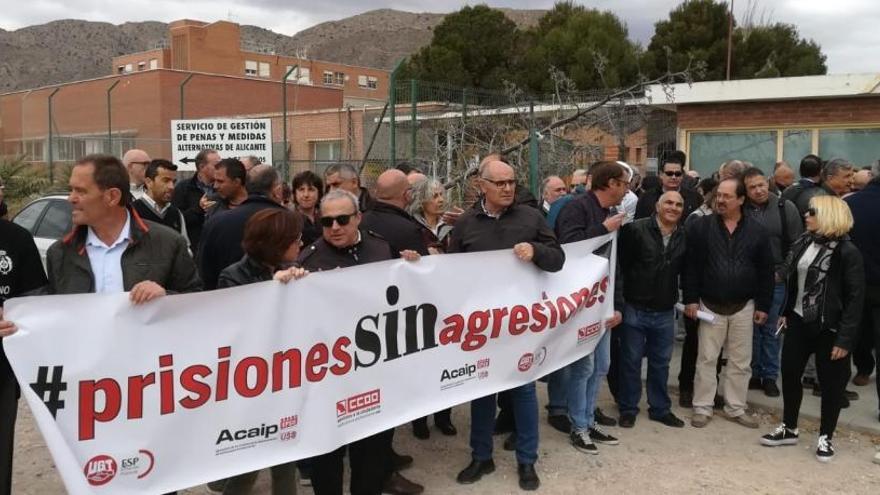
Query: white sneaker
{"points": [[824, 449]]}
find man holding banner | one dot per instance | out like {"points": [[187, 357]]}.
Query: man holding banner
{"points": [[496, 223]]}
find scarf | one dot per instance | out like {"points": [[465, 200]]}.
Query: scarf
{"points": [[817, 277]]}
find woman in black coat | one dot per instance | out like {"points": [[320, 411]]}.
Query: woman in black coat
{"points": [[825, 293], [272, 240]]}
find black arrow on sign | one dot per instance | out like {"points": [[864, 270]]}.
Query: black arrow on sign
{"points": [[188, 160]]}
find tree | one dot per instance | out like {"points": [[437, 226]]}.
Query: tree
{"points": [[776, 51], [589, 46], [475, 47], [695, 31]]}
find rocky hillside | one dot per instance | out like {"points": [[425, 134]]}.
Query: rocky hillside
{"points": [[70, 50]]}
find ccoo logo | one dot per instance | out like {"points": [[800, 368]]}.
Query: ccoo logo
{"points": [[100, 470]]}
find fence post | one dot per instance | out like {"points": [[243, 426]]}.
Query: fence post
{"points": [[533, 151], [109, 118], [414, 96], [51, 161], [286, 173], [181, 92], [392, 100]]}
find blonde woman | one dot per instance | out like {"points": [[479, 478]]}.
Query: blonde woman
{"points": [[825, 293]]}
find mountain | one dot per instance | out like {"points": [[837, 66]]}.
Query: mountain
{"points": [[71, 50]]}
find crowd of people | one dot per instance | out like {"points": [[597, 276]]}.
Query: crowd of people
{"points": [[771, 277]]}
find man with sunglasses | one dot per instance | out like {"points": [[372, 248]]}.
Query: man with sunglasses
{"points": [[374, 464], [497, 222], [136, 161], [671, 176]]}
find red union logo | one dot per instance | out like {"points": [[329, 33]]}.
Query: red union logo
{"points": [[357, 402], [525, 362], [100, 470], [585, 333]]}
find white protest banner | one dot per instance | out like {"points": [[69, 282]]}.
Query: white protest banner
{"points": [[197, 387], [231, 138]]}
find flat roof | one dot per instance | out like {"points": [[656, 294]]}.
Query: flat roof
{"points": [[780, 88]]}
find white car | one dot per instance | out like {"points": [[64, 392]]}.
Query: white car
{"points": [[47, 219]]}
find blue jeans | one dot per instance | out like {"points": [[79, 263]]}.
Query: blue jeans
{"points": [[525, 413], [579, 373], [651, 334], [765, 343], [557, 392]]}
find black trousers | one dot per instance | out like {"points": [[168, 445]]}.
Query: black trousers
{"points": [[370, 461], [689, 356], [613, 376], [863, 354], [8, 414], [801, 340], [440, 417]]}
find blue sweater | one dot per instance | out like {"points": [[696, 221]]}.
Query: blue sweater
{"points": [[865, 207]]}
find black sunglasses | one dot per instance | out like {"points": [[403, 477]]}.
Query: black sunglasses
{"points": [[342, 220], [811, 212], [673, 174]]}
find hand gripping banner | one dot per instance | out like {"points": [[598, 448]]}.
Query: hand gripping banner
{"points": [[197, 387]]}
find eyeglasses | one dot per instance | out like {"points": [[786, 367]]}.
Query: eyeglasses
{"points": [[811, 212], [342, 220], [673, 174], [501, 184]]}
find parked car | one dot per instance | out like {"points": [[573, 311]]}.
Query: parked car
{"points": [[47, 219]]}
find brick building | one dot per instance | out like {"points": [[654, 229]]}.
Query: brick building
{"points": [[767, 120]]}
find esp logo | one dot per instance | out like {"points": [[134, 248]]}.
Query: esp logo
{"points": [[525, 362], [100, 470]]}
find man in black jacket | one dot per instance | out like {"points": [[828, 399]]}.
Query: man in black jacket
{"points": [[651, 255], [671, 175], [373, 462], [498, 223], [20, 273], [730, 274], [221, 239], [388, 217], [344, 176], [193, 196], [155, 205]]}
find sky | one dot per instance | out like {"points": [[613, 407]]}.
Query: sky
{"points": [[847, 30]]}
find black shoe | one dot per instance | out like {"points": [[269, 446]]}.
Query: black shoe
{"points": [[817, 392], [808, 382], [844, 403], [770, 388], [528, 478], [600, 436], [851, 395], [602, 419], [447, 429], [582, 441], [686, 398], [475, 470], [396, 484], [719, 402], [627, 420], [400, 462], [510, 442], [560, 423], [824, 449], [755, 383], [670, 420], [420, 429], [780, 436]]}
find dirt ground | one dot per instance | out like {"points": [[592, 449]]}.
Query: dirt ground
{"points": [[651, 458]]}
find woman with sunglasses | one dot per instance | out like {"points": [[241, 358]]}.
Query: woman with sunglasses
{"points": [[826, 288], [271, 243], [307, 191]]}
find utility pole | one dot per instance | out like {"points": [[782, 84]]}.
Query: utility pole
{"points": [[729, 38]]}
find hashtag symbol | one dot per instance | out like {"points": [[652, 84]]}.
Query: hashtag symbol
{"points": [[49, 391]]}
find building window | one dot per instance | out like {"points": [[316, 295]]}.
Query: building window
{"points": [[326, 150], [362, 81], [128, 68], [339, 78], [861, 147], [708, 150], [796, 144], [154, 63], [142, 66], [373, 82], [328, 77], [33, 150], [120, 69], [250, 68], [264, 70], [301, 75]]}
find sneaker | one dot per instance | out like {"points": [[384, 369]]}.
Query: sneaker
{"points": [[744, 420], [670, 420], [600, 436], [700, 420], [582, 441], [780, 436], [560, 423], [824, 449], [602, 419], [770, 388], [627, 420]]}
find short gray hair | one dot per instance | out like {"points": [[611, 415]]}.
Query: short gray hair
{"points": [[262, 179], [422, 191], [834, 166], [340, 194], [345, 171]]}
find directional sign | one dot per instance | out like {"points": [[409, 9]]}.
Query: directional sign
{"points": [[232, 138]]}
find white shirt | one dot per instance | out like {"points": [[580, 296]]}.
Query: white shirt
{"points": [[106, 260], [137, 191], [629, 203], [802, 267]]}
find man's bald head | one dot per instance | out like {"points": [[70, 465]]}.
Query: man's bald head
{"points": [[414, 177], [495, 168], [783, 176], [136, 162], [670, 207], [392, 187]]}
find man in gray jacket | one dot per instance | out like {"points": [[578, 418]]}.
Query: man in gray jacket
{"points": [[782, 221]]}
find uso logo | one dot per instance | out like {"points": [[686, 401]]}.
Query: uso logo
{"points": [[525, 362], [100, 470]]}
